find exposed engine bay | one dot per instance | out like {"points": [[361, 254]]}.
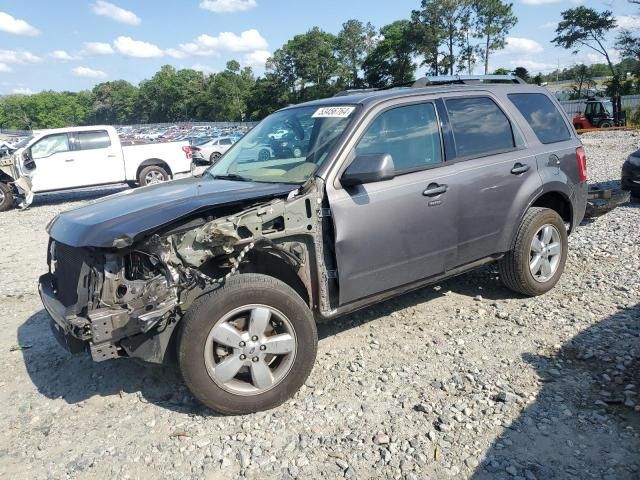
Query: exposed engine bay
{"points": [[128, 301]]}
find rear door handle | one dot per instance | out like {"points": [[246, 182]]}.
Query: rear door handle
{"points": [[112, 155], [519, 168], [434, 190], [69, 160]]}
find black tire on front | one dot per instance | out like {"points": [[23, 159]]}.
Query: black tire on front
{"points": [[6, 197], [157, 169], [514, 266], [238, 291]]}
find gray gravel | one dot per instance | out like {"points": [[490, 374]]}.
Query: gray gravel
{"points": [[463, 379]]}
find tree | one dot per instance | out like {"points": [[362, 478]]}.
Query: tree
{"points": [[114, 103], [538, 79], [501, 71], [583, 79], [523, 73], [585, 27], [494, 20], [355, 41], [468, 55], [391, 61], [455, 17], [426, 34]]}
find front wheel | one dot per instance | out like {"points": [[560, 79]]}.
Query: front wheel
{"points": [[215, 156], [248, 346], [536, 261], [6, 197], [605, 125]]}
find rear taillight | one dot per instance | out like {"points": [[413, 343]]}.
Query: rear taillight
{"points": [[581, 158], [187, 151]]}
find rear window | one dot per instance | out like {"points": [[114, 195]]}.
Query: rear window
{"points": [[542, 115], [479, 127], [93, 140]]}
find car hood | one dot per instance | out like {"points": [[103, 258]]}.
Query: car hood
{"points": [[131, 213]]}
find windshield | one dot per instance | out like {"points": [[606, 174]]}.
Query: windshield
{"points": [[286, 147], [608, 106]]}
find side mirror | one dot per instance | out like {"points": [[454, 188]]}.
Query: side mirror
{"points": [[368, 168]]}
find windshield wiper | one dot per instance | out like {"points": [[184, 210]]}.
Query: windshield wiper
{"points": [[230, 176]]}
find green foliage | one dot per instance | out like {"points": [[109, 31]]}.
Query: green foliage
{"points": [[501, 71], [583, 27], [493, 21], [391, 61], [355, 41], [523, 73]]}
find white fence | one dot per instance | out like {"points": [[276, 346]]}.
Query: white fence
{"points": [[630, 103]]}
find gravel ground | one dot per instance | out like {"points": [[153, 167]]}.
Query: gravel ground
{"points": [[459, 380]]}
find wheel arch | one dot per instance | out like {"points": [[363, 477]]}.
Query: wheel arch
{"points": [[154, 162]]}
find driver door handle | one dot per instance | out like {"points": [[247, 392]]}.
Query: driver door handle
{"points": [[433, 190], [519, 168], [69, 160]]}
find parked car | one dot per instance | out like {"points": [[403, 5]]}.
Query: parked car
{"points": [[77, 157], [212, 150], [631, 174], [226, 273]]}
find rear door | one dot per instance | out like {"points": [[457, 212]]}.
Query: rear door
{"points": [[497, 173], [395, 232], [96, 159]]}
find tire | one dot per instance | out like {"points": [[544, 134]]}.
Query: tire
{"points": [[214, 157], [264, 155], [147, 175], [578, 126], [197, 345], [605, 125], [297, 152], [514, 267], [6, 197]]}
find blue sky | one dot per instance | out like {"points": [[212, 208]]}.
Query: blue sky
{"points": [[74, 44]]}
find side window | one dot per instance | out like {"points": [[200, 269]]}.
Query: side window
{"points": [[410, 134], [479, 126], [93, 140], [542, 115], [50, 145], [225, 141]]}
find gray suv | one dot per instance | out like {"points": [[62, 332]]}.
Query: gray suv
{"points": [[226, 273]]}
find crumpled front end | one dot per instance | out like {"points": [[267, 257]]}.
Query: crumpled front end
{"points": [[126, 302]]}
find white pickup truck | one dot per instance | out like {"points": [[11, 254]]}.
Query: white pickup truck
{"points": [[79, 157]]}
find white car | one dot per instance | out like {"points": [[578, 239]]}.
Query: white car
{"points": [[78, 157], [214, 149]]}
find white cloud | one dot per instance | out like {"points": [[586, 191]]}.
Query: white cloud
{"points": [[549, 25], [203, 68], [516, 45], [61, 55], [257, 58], [226, 6], [116, 13], [22, 91], [97, 48], [628, 22], [4, 68], [136, 48], [533, 66], [88, 72], [172, 52], [15, 25], [206, 45], [18, 57]]}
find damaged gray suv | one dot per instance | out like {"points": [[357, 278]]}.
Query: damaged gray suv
{"points": [[227, 273]]}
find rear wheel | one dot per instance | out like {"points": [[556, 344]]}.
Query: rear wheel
{"points": [[6, 197], [152, 174], [536, 262], [605, 125], [248, 346], [215, 156]]}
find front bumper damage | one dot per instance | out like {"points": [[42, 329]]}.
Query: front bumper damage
{"points": [[127, 302]]}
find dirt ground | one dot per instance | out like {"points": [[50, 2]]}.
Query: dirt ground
{"points": [[463, 379]]}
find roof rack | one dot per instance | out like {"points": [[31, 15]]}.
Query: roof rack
{"points": [[351, 91], [465, 80]]}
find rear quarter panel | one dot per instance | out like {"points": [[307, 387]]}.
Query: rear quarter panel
{"points": [[170, 153]]}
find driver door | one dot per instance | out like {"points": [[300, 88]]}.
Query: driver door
{"points": [[53, 160], [398, 231]]}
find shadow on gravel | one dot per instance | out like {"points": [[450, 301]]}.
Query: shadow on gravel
{"points": [[483, 281], [75, 378], [579, 427]]}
